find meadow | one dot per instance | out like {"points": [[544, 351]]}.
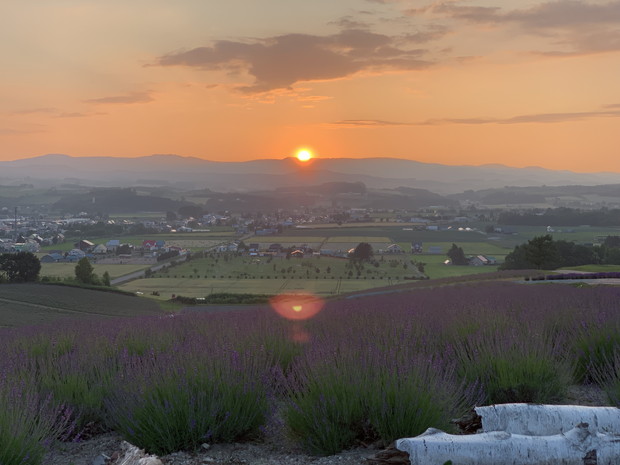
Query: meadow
{"points": [[337, 372]]}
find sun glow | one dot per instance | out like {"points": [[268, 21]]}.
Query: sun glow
{"points": [[304, 155]]}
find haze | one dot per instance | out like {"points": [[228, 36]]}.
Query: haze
{"points": [[521, 83]]}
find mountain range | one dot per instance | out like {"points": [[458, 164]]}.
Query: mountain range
{"points": [[194, 173]]}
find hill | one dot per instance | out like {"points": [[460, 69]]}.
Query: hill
{"points": [[33, 304], [190, 172]]}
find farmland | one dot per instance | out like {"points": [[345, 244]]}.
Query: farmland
{"points": [[216, 371]]}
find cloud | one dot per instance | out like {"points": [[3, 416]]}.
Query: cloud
{"points": [[555, 14], [282, 61], [609, 111], [35, 111], [133, 97], [583, 27]]}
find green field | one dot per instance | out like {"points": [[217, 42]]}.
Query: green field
{"points": [[200, 287], [67, 270], [194, 241], [31, 304]]}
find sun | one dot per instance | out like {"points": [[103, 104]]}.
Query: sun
{"points": [[304, 155]]}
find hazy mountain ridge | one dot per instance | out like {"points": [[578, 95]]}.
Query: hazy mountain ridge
{"points": [[288, 172]]}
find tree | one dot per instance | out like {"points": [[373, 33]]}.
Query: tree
{"points": [[457, 256], [84, 271], [540, 253], [362, 252], [20, 267], [105, 279]]}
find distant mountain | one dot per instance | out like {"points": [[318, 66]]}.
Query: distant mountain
{"points": [[195, 173]]}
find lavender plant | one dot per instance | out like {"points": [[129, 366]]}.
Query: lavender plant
{"points": [[28, 422]]}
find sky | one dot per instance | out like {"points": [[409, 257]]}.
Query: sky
{"points": [[520, 83]]}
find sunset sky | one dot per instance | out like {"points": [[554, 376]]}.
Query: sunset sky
{"points": [[521, 83]]}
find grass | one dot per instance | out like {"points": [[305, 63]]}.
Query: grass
{"points": [[67, 270], [31, 304]]}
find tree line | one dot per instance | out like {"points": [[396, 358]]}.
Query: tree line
{"points": [[562, 216], [545, 253]]}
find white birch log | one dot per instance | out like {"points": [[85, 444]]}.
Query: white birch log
{"points": [[578, 446], [545, 420], [134, 456]]}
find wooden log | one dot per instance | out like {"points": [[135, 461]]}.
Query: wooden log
{"points": [[578, 446], [546, 420]]}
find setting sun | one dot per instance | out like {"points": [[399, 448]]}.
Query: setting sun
{"points": [[304, 155]]}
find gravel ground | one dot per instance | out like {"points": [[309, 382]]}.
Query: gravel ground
{"points": [[275, 449]]}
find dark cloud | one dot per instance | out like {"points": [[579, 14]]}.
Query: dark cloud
{"points": [[279, 62], [610, 111], [133, 97]]}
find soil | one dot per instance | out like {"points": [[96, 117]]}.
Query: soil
{"points": [[274, 449]]}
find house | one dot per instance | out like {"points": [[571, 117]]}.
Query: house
{"points": [[84, 245], [75, 255], [52, 258], [253, 249], [100, 249], [394, 248], [229, 247], [297, 254], [416, 247], [149, 244], [113, 244], [481, 260]]}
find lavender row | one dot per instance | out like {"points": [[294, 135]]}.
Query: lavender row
{"points": [[361, 370]]}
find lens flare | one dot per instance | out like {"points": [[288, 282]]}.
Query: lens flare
{"points": [[297, 306]]}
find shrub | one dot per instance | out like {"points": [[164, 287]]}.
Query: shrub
{"points": [[181, 400], [515, 368], [28, 422]]}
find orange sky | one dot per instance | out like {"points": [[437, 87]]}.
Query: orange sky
{"points": [[520, 83]]}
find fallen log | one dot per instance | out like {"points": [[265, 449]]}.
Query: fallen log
{"points": [[546, 420], [578, 446]]}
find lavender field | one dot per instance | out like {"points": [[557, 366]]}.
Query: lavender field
{"points": [[361, 370]]}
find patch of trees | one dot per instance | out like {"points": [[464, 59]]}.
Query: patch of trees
{"points": [[544, 253], [167, 255], [457, 256], [561, 217], [362, 252], [20, 267], [85, 274]]}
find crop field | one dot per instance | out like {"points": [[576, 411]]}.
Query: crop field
{"points": [[31, 304], [67, 270], [398, 363]]}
